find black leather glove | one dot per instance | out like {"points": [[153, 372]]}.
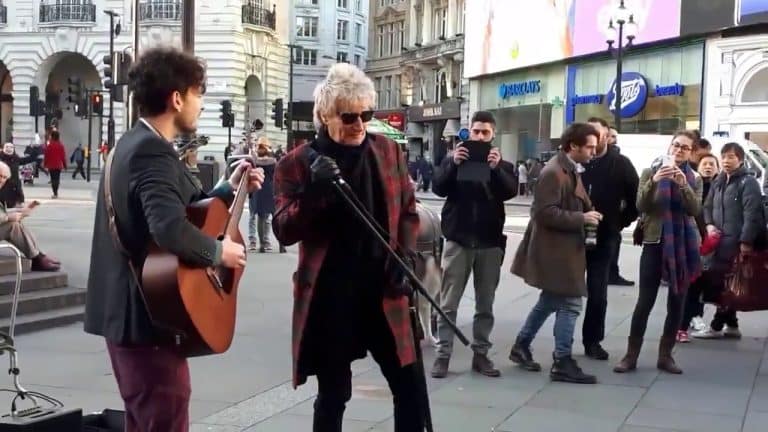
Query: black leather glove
{"points": [[324, 169]]}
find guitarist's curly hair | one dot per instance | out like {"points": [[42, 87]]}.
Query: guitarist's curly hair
{"points": [[160, 72]]}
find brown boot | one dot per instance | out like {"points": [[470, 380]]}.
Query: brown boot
{"points": [[629, 362], [666, 362]]}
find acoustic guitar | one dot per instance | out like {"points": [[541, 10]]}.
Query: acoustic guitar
{"points": [[197, 304]]}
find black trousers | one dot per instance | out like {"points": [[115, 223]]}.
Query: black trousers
{"points": [[334, 379], [598, 266], [693, 306], [650, 279], [79, 169], [55, 181], [724, 317]]}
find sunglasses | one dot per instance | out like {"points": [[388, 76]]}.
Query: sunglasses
{"points": [[351, 118]]}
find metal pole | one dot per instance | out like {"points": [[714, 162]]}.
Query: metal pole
{"points": [[112, 91], [2, 83], [130, 103], [617, 87], [289, 144], [90, 143], [188, 26]]}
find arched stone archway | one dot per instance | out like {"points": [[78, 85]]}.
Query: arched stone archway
{"points": [[255, 102], [52, 79], [755, 88], [6, 104]]}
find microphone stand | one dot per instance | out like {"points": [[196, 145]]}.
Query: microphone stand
{"points": [[378, 232]]}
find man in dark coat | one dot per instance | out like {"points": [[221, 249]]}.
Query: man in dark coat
{"points": [[611, 182], [262, 202], [551, 256], [151, 189], [349, 296], [734, 208]]}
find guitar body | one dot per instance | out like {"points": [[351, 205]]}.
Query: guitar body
{"points": [[199, 304]]}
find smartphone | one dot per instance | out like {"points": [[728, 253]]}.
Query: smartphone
{"points": [[478, 150], [34, 204], [667, 161]]}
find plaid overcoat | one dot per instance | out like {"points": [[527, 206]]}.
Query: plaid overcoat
{"points": [[294, 223]]}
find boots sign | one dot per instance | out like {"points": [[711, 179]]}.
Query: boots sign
{"points": [[633, 94]]}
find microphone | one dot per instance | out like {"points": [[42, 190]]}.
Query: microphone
{"points": [[313, 155]]}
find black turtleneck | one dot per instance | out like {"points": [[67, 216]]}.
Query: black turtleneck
{"points": [[350, 284]]}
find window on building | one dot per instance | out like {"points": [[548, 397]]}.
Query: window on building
{"points": [[342, 4], [359, 5], [358, 33], [387, 97], [439, 22], [307, 57], [419, 28], [377, 85], [390, 39], [308, 2], [380, 41], [342, 57], [396, 91], [342, 30], [306, 26], [358, 60], [461, 16], [399, 36]]}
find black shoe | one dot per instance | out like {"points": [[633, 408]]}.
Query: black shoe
{"points": [[282, 249], [595, 351], [440, 368], [523, 357], [567, 370], [620, 281], [482, 364]]}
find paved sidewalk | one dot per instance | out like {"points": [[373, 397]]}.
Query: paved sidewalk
{"points": [[69, 189], [724, 388], [516, 202]]}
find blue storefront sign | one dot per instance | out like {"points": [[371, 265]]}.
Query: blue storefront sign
{"points": [[633, 94], [508, 90]]}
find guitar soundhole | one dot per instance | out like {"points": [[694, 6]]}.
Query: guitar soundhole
{"points": [[226, 276]]}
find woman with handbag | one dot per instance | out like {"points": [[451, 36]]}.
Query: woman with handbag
{"points": [[669, 197]]}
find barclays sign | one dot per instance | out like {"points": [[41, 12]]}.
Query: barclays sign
{"points": [[633, 94], [508, 90]]}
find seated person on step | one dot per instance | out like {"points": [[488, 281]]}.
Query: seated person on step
{"points": [[12, 230]]}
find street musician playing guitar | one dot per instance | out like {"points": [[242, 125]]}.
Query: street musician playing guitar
{"points": [[143, 199]]}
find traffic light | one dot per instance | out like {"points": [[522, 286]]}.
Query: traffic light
{"points": [[227, 116], [278, 113], [97, 103], [75, 87], [287, 116], [34, 97], [109, 66]]}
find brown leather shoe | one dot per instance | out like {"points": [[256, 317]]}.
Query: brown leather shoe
{"points": [[666, 363], [484, 365], [44, 263]]}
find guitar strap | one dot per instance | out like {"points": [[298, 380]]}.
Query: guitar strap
{"points": [[112, 216]]}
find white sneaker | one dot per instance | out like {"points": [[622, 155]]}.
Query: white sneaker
{"points": [[698, 324], [732, 332], [707, 334]]}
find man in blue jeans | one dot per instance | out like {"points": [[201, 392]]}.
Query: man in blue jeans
{"points": [[551, 256]]}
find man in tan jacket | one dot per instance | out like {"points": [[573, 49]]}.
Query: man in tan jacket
{"points": [[15, 233], [555, 239]]}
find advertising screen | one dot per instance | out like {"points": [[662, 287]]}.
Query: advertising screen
{"points": [[656, 20], [699, 17], [511, 34], [751, 11]]}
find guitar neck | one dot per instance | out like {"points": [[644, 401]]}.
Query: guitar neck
{"points": [[236, 210]]}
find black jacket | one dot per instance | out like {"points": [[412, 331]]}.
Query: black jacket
{"points": [[151, 189], [611, 182], [473, 214], [735, 207], [12, 192]]}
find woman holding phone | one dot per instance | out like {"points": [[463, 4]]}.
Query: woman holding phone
{"points": [[669, 199]]}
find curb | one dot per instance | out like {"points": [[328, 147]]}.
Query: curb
{"points": [[506, 204]]}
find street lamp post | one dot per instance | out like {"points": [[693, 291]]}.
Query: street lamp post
{"points": [[291, 57], [622, 25]]}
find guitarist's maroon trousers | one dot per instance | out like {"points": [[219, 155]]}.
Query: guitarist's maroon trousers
{"points": [[149, 189]]}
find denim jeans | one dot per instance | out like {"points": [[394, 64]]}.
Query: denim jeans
{"points": [[567, 310]]}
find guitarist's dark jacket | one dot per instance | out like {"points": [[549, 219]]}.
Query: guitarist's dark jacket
{"points": [[151, 189]]}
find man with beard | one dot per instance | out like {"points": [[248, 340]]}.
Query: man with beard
{"points": [[611, 182], [142, 200], [614, 277]]}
